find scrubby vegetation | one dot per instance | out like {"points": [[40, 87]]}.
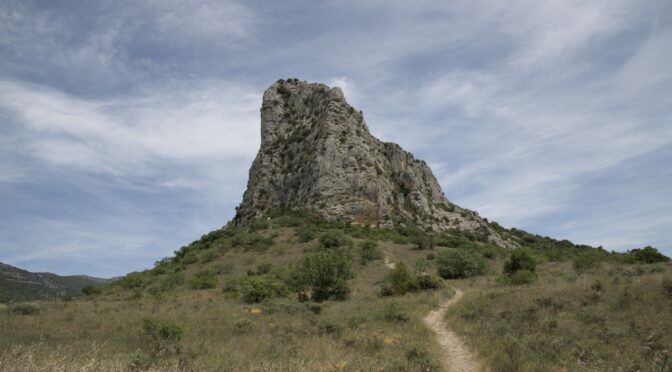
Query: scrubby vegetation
{"points": [[291, 292]]}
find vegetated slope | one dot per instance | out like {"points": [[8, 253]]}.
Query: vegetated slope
{"points": [[243, 298], [21, 285]]}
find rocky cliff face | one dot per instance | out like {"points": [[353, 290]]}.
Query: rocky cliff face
{"points": [[317, 155]]}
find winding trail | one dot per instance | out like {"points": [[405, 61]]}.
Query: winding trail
{"points": [[457, 357]]}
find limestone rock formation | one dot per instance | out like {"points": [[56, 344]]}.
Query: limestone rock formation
{"points": [[318, 156]]}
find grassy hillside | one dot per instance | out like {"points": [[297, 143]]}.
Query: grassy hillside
{"points": [[294, 293]]}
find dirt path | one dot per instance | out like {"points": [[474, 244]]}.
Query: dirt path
{"points": [[456, 355]]}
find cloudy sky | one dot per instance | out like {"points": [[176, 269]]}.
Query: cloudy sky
{"points": [[127, 127]]}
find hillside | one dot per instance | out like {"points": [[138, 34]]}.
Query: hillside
{"points": [[21, 285], [231, 300], [345, 255]]}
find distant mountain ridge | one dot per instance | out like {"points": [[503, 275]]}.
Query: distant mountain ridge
{"points": [[22, 285]]}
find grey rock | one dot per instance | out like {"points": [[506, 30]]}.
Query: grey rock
{"points": [[317, 155]]}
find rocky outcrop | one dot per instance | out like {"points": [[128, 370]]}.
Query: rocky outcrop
{"points": [[318, 156]]}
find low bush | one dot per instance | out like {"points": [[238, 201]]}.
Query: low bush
{"points": [[392, 312], [648, 255], [368, 251], [258, 288], [204, 279], [323, 276], [131, 280], [161, 331], [520, 277], [333, 239], [459, 263], [586, 260], [520, 259], [400, 281], [305, 234], [423, 242], [90, 290]]}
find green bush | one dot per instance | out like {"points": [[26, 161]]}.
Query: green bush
{"points": [[428, 282], [204, 279], [90, 290], [332, 239], [423, 242], [401, 280], [131, 280], [459, 263], [520, 259], [586, 260], [646, 255], [368, 251], [161, 331], [305, 234], [519, 277], [258, 288], [392, 312], [323, 275]]}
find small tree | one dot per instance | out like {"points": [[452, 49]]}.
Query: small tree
{"points": [[90, 290], [520, 259], [323, 276], [459, 263]]}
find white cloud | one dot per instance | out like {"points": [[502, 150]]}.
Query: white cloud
{"points": [[133, 136]]}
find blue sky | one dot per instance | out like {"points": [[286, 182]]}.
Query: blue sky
{"points": [[128, 127]]}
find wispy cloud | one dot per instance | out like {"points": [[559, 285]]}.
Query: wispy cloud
{"points": [[551, 116]]}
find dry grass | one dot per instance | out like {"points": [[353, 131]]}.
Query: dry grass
{"points": [[221, 333], [612, 318]]}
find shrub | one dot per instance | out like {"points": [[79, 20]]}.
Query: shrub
{"points": [[585, 261], [332, 239], [401, 280], [423, 242], [520, 277], [305, 234], [90, 290], [392, 312], [258, 288], [458, 263], [24, 309], [647, 255], [428, 282], [131, 280], [369, 251], [520, 259], [204, 279], [324, 275], [161, 331]]}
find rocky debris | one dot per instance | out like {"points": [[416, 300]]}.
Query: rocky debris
{"points": [[317, 155]]}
